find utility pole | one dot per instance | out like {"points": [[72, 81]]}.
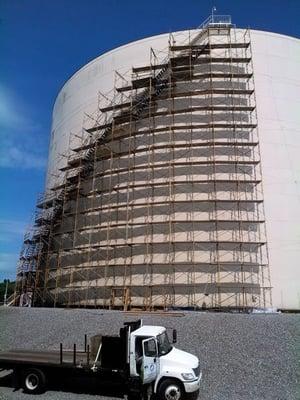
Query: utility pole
{"points": [[212, 13], [281, 298], [6, 288]]}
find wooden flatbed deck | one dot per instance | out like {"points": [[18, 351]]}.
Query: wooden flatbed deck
{"points": [[46, 358]]}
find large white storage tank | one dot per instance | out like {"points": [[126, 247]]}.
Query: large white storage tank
{"points": [[276, 65]]}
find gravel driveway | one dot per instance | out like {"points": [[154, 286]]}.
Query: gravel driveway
{"points": [[243, 357]]}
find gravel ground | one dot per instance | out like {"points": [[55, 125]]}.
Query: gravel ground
{"points": [[243, 357]]}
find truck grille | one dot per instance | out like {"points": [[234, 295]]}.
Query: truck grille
{"points": [[197, 370]]}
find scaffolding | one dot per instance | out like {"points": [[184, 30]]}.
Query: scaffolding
{"points": [[161, 204]]}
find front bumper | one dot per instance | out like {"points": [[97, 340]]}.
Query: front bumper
{"points": [[192, 386]]}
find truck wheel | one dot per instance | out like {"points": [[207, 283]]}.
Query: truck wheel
{"points": [[134, 396], [145, 393], [33, 381], [170, 390]]}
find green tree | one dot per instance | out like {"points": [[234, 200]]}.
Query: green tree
{"points": [[10, 289]]}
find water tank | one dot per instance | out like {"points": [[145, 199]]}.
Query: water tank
{"points": [[174, 182]]}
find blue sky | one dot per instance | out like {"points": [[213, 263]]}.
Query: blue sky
{"points": [[43, 42]]}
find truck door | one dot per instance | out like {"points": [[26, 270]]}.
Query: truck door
{"points": [[149, 366]]}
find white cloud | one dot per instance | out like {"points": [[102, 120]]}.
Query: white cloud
{"points": [[14, 114], [11, 232], [13, 157], [11, 229], [22, 145], [8, 263]]}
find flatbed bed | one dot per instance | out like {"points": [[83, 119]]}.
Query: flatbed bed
{"points": [[43, 358]]}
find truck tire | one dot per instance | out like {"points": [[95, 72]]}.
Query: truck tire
{"points": [[144, 393], [134, 396], [170, 390], [33, 381], [147, 393]]}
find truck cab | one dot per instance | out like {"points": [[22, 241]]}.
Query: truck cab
{"points": [[172, 373]]}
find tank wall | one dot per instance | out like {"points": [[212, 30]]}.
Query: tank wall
{"points": [[276, 66], [80, 95], [277, 81]]}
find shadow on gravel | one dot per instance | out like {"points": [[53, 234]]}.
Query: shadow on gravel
{"points": [[79, 386]]}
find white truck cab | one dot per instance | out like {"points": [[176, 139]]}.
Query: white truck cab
{"points": [[172, 372]]}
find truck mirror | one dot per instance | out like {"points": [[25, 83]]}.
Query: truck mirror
{"points": [[174, 336]]}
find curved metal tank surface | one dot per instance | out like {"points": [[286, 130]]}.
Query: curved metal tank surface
{"points": [[276, 66]]}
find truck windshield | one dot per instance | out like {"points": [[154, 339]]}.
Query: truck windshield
{"points": [[164, 346]]}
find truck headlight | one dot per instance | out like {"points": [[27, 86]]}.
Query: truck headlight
{"points": [[188, 377]]}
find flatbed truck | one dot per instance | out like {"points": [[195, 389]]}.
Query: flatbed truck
{"points": [[140, 359]]}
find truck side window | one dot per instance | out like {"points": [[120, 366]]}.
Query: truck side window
{"points": [[138, 347], [150, 348]]}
